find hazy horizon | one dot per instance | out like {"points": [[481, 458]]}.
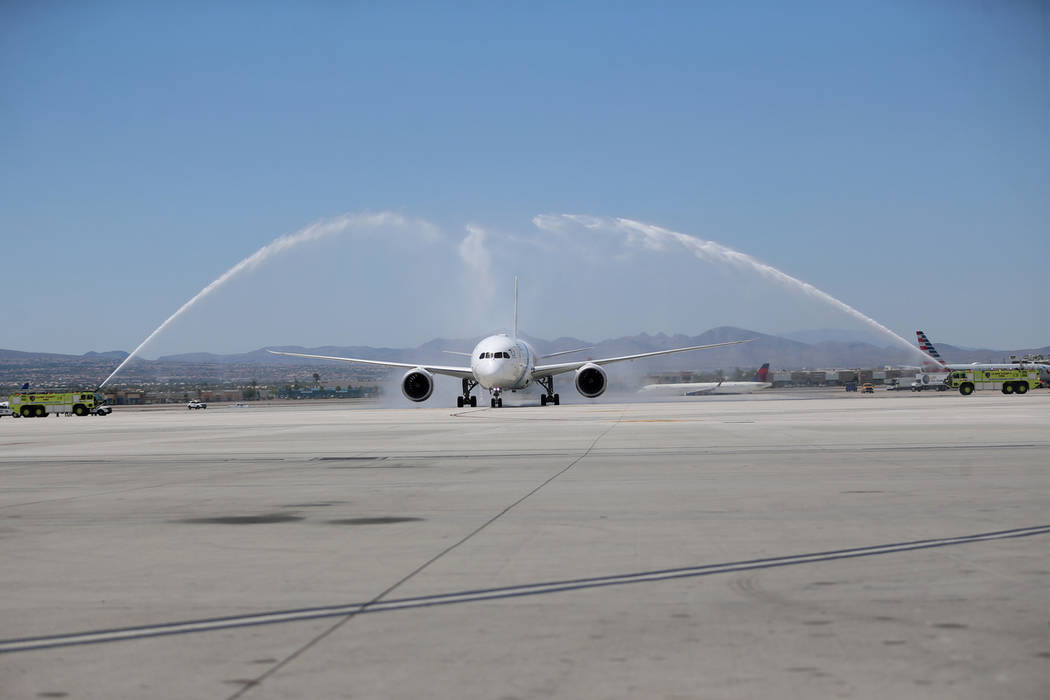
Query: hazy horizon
{"points": [[843, 335]]}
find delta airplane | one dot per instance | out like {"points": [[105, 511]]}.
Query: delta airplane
{"points": [[502, 362], [758, 383]]}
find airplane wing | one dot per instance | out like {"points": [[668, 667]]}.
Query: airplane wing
{"points": [[564, 352], [550, 370], [461, 372]]}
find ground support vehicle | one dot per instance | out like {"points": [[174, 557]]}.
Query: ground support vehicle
{"points": [[194, 403], [1008, 381], [916, 385], [930, 381], [5, 410], [37, 404]]}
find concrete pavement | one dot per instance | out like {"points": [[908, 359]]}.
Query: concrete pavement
{"points": [[613, 550]]}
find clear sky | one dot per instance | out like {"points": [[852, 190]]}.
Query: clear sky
{"points": [[893, 154]]}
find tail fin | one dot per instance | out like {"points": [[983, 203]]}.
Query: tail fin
{"points": [[762, 374], [927, 347], [515, 308]]}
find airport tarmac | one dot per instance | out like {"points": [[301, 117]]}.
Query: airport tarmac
{"points": [[777, 545]]}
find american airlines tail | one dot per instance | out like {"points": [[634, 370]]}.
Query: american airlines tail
{"points": [[927, 347]]}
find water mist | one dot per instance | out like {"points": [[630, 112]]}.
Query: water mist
{"points": [[313, 232], [657, 238]]}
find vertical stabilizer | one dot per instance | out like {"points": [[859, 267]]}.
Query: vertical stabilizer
{"points": [[515, 308], [927, 347]]}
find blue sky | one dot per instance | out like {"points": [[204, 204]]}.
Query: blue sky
{"points": [[895, 155]]}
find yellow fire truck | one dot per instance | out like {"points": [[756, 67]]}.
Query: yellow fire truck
{"points": [[37, 404], [1009, 381]]}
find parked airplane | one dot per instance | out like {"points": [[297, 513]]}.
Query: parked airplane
{"points": [[759, 381], [927, 347], [502, 362]]}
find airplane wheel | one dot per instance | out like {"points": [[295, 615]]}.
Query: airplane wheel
{"points": [[493, 402], [499, 403], [557, 399], [473, 401], [459, 402], [1022, 388], [543, 399]]}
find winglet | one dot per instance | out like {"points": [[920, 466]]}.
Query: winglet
{"points": [[515, 308]]}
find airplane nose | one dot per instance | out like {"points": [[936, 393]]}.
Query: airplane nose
{"points": [[505, 372]]}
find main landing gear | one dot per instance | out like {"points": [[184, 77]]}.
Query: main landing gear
{"points": [[467, 399], [549, 397]]}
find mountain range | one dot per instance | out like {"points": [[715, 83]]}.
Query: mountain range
{"points": [[827, 348]]}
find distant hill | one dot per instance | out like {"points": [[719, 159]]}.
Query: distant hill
{"points": [[117, 355], [839, 335]]}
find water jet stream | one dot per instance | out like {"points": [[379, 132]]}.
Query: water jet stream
{"points": [[315, 231], [656, 238]]}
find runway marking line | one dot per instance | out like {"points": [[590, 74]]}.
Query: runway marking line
{"points": [[489, 594]]}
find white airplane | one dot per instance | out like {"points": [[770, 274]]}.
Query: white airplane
{"points": [[926, 346], [502, 362], [942, 370], [703, 388]]}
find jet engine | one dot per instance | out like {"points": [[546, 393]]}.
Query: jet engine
{"points": [[591, 381], [417, 384]]}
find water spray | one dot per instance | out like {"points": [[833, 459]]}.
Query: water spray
{"points": [[656, 238], [313, 232]]}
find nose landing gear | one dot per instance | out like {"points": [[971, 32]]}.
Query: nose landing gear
{"points": [[497, 399]]}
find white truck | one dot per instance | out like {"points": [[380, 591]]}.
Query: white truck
{"points": [[922, 382]]}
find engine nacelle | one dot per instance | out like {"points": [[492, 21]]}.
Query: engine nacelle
{"points": [[417, 384], [591, 381]]}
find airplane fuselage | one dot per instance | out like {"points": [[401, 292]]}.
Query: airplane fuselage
{"points": [[502, 362], [701, 388]]}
